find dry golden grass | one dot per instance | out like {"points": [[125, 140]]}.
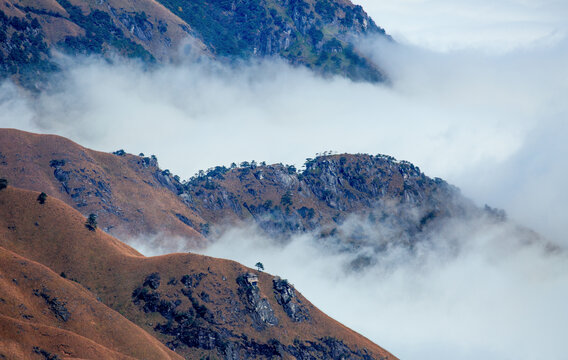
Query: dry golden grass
{"points": [[92, 330], [56, 28], [139, 204], [112, 270]]}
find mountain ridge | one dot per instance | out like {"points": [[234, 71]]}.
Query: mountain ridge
{"points": [[317, 34], [209, 307], [134, 197], [115, 188]]}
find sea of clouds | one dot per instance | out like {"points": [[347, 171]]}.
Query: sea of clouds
{"points": [[477, 97]]}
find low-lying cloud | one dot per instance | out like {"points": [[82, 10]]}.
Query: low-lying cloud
{"points": [[477, 291], [474, 119], [492, 122], [483, 25]]}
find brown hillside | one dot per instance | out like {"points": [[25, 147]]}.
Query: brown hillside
{"points": [[332, 188], [159, 31], [26, 340], [39, 308], [195, 304], [133, 197], [129, 193]]}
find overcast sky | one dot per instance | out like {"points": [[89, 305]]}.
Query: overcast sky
{"points": [[493, 26], [478, 97]]}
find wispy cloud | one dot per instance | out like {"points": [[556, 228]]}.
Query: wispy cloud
{"points": [[476, 290], [478, 100], [487, 26], [474, 119]]}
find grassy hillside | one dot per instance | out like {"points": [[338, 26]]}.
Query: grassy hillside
{"points": [[32, 30], [197, 305], [317, 34], [130, 195], [313, 33], [42, 313]]}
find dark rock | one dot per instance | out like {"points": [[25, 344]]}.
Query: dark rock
{"points": [[61, 175], [57, 307], [193, 280], [201, 310], [257, 308], [46, 354], [285, 296], [184, 220], [327, 348], [152, 280], [57, 163]]}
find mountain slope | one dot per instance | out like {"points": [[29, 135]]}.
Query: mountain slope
{"points": [[331, 188], [133, 197], [130, 194], [198, 305], [313, 32], [42, 312], [32, 30], [317, 34]]}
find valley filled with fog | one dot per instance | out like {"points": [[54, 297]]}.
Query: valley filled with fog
{"points": [[484, 110]]}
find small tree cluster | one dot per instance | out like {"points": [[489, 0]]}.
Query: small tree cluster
{"points": [[91, 222], [259, 266], [41, 198], [3, 183], [286, 199]]}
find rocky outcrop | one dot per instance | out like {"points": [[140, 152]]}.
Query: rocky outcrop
{"points": [[283, 201], [189, 322], [56, 306], [327, 348], [84, 186], [153, 281], [258, 308], [286, 297]]}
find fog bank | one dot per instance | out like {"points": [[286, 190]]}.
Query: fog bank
{"points": [[477, 98], [478, 291], [491, 124]]}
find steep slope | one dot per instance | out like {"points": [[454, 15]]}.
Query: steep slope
{"points": [[133, 197], [332, 189], [130, 194], [317, 34], [42, 313], [310, 32], [31, 30], [199, 306]]}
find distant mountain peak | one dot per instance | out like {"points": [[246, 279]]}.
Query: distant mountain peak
{"points": [[317, 34]]}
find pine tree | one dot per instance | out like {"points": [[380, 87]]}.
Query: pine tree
{"points": [[91, 223], [259, 266], [41, 198]]}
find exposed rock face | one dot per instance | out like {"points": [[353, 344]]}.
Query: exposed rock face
{"points": [[282, 201], [258, 308], [84, 185], [316, 34], [285, 296], [327, 348], [153, 281], [57, 307], [196, 324]]}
